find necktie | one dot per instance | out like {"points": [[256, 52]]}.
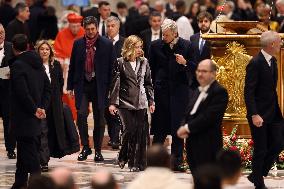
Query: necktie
{"points": [[200, 98], [272, 65], [201, 45], [103, 29]]}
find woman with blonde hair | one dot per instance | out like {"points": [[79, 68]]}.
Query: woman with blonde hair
{"points": [[52, 135], [130, 95]]}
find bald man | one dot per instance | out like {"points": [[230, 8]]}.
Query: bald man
{"points": [[103, 179], [63, 178], [202, 122]]}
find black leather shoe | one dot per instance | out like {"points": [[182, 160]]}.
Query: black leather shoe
{"points": [[84, 154], [98, 157], [44, 168], [121, 164], [115, 146], [134, 169], [11, 155]]}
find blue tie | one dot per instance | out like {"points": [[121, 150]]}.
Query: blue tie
{"points": [[201, 45]]}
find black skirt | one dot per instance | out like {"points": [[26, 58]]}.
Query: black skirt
{"points": [[135, 137]]}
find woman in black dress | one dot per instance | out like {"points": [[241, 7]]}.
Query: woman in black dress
{"points": [[130, 95]]}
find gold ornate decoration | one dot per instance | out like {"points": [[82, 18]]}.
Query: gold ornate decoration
{"points": [[231, 74]]}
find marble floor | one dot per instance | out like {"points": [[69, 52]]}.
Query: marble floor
{"points": [[84, 170]]}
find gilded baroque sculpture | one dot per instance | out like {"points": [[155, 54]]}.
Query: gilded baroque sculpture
{"points": [[231, 74]]}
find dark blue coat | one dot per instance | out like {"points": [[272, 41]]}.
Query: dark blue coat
{"points": [[172, 83], [103, 60]]}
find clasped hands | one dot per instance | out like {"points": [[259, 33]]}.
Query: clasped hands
{"points": [[40, 113]]}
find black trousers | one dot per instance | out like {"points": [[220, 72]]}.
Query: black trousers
{"points": [[9, 136], [90, 95], [44, 148], [28, 160], [268, 143], [114, 127]]}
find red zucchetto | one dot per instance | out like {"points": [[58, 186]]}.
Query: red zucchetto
{"points": [[74, 18]]}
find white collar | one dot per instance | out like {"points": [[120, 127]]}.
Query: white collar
{"points": [[266, 56], [101, 20], [153, 31], [205, 88], [116, 38]]}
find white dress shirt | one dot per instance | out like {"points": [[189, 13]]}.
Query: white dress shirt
{"points": [[101, 26], [46, 66], [133, 65], [202, 96], [155, 35], [267, 57], [1, 53], [115, 39]]}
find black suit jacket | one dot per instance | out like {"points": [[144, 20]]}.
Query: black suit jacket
{"points": [[5, 83], [194, 49], [205, 125], [103, 60], [260, 90], [118, 46], [146, 36], [30, 90], [17, 27]]}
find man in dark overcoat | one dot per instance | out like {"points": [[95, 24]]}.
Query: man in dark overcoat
{"points": [[172, 78]]}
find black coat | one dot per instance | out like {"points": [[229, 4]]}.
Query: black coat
{"points": [[5, 83], [260, 90], [205, 125], [146, 36], [7, 14], [55, 120], [118, 46], [30, 90], [16, 27], [104, 58], [194, 49], [172, 83]]}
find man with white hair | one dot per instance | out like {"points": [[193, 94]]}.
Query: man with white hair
{"points": [[263, 111], [172, 76]]}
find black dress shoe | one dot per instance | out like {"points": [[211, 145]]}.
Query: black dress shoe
{"points": [[84, 154], [115, 146], [11, 155], [134, 169], [44, 168], [121, 164], [98, 157]]}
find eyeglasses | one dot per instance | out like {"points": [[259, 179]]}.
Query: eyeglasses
{"points": [[202, 71]]}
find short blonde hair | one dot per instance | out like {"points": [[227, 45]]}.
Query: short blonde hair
{"points": [[42, 42], [128, 50], [169, 24]]}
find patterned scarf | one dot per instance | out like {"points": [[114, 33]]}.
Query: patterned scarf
{"points": [[91, 51]]}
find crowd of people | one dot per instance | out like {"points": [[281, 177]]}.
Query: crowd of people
{"points": [[122, 66]]}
